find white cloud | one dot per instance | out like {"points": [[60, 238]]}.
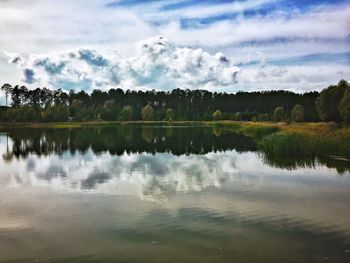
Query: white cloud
{"points": [[35, 26], [331, 23], [157, 62], [148, 176], [41, 26], [48, 27], [298, 78]]}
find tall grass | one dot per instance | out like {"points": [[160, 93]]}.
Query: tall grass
{"points": [[287, 143], [297, 144], [306, 143]]}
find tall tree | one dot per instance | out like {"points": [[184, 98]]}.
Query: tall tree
{"points": [[24, 95], [147, 113], [127, 113], [298, 113], [278, 114], [217, 115], [34, 97], [169, 116], [185, 104], [16, 96], [6, 88], [344, 106], [328, 101]]}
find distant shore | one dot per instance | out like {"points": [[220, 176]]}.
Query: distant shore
{"points": [[304, 126], [254, 129], [95, 123]]}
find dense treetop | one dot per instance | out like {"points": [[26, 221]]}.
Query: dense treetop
{"points": [[47, 105]]}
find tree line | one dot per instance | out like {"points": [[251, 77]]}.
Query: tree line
{"points": [[45, 105]]}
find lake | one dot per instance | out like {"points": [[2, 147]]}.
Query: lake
{"points": [[132, 193]]}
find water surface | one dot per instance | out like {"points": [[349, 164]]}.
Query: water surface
{"points": [[166, 194]]}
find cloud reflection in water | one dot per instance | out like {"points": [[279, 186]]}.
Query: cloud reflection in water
{"points": [[151, 177]]}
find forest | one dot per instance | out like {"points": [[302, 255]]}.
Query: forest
{"points": [[46, 105]]}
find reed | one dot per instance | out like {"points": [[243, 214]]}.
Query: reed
{"points": [[320, 140], [296, 140]]}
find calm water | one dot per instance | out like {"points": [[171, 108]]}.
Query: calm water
{"points": [[153, 194]]}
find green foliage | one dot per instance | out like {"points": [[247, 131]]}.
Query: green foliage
{"points": [[16, 97], [344, 106], [186, 104], [179, 105], [298, 113], [263, 117], [57, 113], [75, 107], [278, 114], [21, 114], [206, 117], [29, 114], [127, 113], [217, 115], [85, 114], [62, 113], [294, 143], [109, 111], [169, 115], [147, 113], [328, 101], [25, 114], [288, 144]]}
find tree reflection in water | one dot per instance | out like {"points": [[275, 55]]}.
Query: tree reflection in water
{"points": [[120, 139]]}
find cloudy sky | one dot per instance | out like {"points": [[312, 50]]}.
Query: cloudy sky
{"points": [[221, 45]]}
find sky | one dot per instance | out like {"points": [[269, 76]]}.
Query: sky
{"points": [[223, 46]]}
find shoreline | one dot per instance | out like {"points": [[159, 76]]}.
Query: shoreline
{"points": [[96, 123], [222, 123]]}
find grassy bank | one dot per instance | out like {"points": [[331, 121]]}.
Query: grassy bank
{"points": [[308, 141], [297, 139]]}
